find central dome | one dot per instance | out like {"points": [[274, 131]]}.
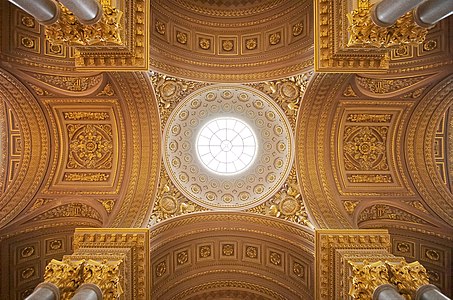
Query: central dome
{"points": [[228, 147]]}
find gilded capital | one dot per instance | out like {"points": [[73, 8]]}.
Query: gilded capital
{"points": [[66, 275], [364, 33], [106, 275], [408, 277], [68, 30], [366, 277]]}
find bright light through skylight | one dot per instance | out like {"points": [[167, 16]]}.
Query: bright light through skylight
{"points": [[226, 146]]}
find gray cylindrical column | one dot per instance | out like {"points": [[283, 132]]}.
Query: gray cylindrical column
{"points": [[88, 291], [386, 292], [430, 292], [45, 291], [432, 11], [386, 12], [88, 12], [45, 12]]}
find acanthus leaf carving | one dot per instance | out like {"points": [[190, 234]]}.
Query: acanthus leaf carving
{"points": [[287, 93], [287, 203], [170, 202], [169, 91]]}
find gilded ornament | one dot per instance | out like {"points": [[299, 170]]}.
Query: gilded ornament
{"points": [[408, 277], [160, 27], [204, 43], [251, 252], [170, 202], [205, 251], [349, 92], [70, 210], [108, 204], [107, 91], [387, 212], [27, 21], [227, 45], [90, 145], [251, 44], [86, 176], [228, 249], [364, 33], [299, 270], [364, 148], [27, 252], [275, 38], [39, 91], [416, 204], [27, 273], [66, 274], [385, 86], [433, 276], [181, 37], [55, 245], [106, 275], [432, 255], [298, 28], [287, 93], [170, 91], [182, 257], [55, 49], [70, 83], [86, 116], [370, 178], [287, 203], [68, 30], [27, 42], [403, 247], [429, 45], [275, 258], [366, 277], [161, 268], [369, 118], [350, 206]]}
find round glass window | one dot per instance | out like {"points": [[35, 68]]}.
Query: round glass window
{"points": [[226, 146]]}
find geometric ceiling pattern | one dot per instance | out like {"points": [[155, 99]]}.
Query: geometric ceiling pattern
{"points": [[334, 151]]}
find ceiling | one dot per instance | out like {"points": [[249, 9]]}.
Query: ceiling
{"points": [[94, 149]]}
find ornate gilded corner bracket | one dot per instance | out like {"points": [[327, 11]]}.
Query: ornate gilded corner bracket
{"points": [[69, 31], [364, 33], [118, 42], [347, 41], [114, 260], [357, 262]]}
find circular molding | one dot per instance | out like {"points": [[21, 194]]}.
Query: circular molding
{"points": [[262, 177]]}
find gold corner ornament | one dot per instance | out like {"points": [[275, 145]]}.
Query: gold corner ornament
{"points": [[364, 33], [69, 31]]}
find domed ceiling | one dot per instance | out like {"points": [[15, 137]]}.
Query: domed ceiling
{"points": [[146, 149], [231, 41]]}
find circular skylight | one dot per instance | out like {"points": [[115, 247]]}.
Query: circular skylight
{"points": [[226, 146]]}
